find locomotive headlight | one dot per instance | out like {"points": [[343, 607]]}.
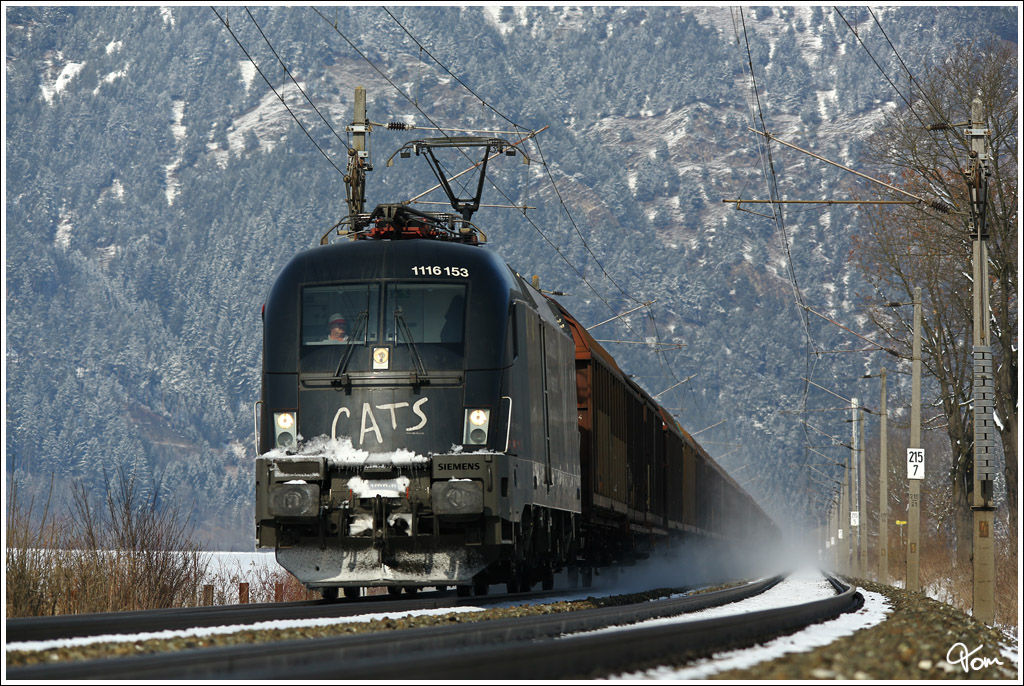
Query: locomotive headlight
{"points": [[476, 425], [284, 429]]}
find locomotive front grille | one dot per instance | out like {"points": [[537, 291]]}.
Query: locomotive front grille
{"points": [[294, 500], [457, 497]]}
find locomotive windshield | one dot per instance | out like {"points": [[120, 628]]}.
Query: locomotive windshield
{"points": [[340, 315], [433, 313], [422, 323]]}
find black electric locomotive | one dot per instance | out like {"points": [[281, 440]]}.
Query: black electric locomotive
{"points": [[404, 450], [429, 418]]}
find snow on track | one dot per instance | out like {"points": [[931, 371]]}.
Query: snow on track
{"points": [[801, 587]]}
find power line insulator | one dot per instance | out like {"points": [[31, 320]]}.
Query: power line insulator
{"points": [[940, 206], [399, 126]]}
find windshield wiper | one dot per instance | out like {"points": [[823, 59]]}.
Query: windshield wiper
{"points": [[339, 374], [404, 328]]}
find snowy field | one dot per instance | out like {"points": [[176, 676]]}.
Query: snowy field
{"points": [[257, 564]]}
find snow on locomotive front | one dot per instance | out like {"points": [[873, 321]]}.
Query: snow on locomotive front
{"points": [[417, 398]]}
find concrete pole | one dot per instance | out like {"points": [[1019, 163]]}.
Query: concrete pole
{"points": [[855, 514], [829, 538], [863, 489], [836, 507], [826, 554], [984, 382], [359, 154], [914, 501], [823, 547], [844, 522], [835, 531], [883, 493]]}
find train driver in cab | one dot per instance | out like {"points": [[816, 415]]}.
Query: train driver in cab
{"points": [[336, 329]]}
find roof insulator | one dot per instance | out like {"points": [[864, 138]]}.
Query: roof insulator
{"points": [[940, 206]]}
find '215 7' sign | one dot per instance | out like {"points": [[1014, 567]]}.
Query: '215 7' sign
{"points": [[915, 463]]}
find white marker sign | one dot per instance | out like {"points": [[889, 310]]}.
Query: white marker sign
{"points": [[915, 463]]}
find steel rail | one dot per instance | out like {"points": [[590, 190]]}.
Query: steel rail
{"points": [[602, 654], [597, 655], [132, 622], [370, 653]]}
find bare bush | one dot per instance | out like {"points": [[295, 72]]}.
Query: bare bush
{"points": [[34, 550], [129, 553]]}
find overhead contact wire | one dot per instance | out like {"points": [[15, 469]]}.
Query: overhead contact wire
{"points": [[499, 190], [449, 71], [811, 359], [547, 169], [289, 72], [773, 191], [279, 96], [576, 227], [384, 76], [491, 181]]}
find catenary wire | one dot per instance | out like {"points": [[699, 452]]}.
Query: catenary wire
{"points": [[547, 171], [450, 73], [540, 152], [289, 72], [880, 69], [773, 192], [491, 181], [279, 96], [812, 357], [659, 353]]}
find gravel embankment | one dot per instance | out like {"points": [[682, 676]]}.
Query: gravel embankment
{"points": [[912, 644]]}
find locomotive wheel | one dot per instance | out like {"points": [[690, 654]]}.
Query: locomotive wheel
{"points": [[464, 591], [394, 590], [481, 587], [517, 580], [352, 591], [525, 583], [329, 593], [547, 581]]}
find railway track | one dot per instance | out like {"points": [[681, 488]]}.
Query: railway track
{"points": [[513, 648], [150, 621], [171, 619]]}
